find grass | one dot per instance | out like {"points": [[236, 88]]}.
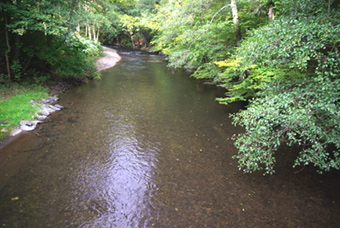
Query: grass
{"points": [[15, 105]]}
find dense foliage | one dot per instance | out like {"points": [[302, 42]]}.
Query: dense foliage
{"points": [[38, 40], [195, 33], [303, 113], [299, 103], [292, 46]]}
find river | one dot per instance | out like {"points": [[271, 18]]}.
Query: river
{"points": [[145, 147]]}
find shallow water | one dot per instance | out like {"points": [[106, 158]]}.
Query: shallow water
{"points": [[147, 148]]}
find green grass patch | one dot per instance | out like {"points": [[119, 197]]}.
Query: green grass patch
{"points": [[15, 105]]}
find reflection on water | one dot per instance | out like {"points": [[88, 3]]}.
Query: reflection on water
{"points": [[147, 148]]}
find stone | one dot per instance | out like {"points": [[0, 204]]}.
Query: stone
{"points": [[44, 112], [54, 107], [58, 106], [25, 122], [27, 128], [46, 109], [50, 110], [53, 99], [45, 101], [15, 131], [41, 118], [28, 125]]}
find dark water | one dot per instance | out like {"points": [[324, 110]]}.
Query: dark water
{"points": [[147, 148]]}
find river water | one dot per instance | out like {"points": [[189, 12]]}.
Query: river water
{"points": [[145, 147]]}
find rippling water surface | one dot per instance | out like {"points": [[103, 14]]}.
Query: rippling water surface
{"points": [[147, 148]]}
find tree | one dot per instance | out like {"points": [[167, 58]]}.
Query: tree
{"points": [[270, 10], [236, 22], [301, 114], [130, 27], [33, 27], [191, 33], [195, 34], [8, 46], [298, 104]]}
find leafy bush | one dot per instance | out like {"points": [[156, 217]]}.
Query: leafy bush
{"points": [[40, 35], [299, 103], [308, 44], [74, 56], [303, 113], [187, 35]]}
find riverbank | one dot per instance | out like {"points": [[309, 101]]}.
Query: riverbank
{"points": [[7, 133], [109, 59]]}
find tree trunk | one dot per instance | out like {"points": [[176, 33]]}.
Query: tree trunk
{"points": [[133, 43], [270, 11], [27, 64], [8, 48], [94, 33], [236, 22], [78, 30], [138, 42], [97, 33], [89, 32], [17, 47]]}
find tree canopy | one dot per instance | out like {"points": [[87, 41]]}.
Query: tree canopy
{"points": [[39, 37], [292, 76]]}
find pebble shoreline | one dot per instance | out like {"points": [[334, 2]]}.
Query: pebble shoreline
{"points": [[47, 107]]}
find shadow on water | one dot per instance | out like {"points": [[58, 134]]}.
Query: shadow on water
{"points": [[146, 148]]}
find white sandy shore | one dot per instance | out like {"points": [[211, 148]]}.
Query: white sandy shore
{"points": [[110, 59]]}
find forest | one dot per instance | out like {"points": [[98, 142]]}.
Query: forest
{"points": [[281, 57]]}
